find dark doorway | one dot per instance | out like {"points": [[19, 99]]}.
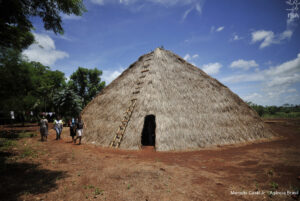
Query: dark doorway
{"points": [[148, 133]]}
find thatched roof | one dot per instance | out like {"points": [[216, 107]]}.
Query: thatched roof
{"points": [[192, 110]]}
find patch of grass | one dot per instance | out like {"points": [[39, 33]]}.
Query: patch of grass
{"points": [[98, 191], [256, 186], [28, 152], [274, 186], [128, 186], [27, 134], [270, 172], [7, 144], [58, 178]]}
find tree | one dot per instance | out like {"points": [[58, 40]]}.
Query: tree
{"points": [[27, 86], [86, 83], [68, 103], [15, 26]]}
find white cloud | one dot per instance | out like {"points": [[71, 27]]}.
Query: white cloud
{"points": [[186, 13], [243, 64], [268, 37], [44, 50], [188, 57], [285, 73], [276, 82], [99, 2], [214, 29], [220, 29], [253, 96], [254, 77], [287, 34], [70, 17], [194, 4], [195, 56], [109, 76], [236, 37], [291, 90], [212, 68], [286, 68]]}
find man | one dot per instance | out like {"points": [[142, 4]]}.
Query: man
{"points": [[79, 130]]}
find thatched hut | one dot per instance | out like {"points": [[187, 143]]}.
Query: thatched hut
{"points": [[174, 106]]}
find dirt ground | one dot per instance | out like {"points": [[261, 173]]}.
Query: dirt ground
{"points": [[60, 170]]}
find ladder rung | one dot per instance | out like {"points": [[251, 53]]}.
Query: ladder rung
{"points": [[139, 83], [124, 123], [148, 59], [136, 92], [143, 71], [143, 76]]}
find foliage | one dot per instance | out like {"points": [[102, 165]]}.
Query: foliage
{"points": [[68, 103], [27, 86], [86, 83], [15, 26], [284, 111], [30, 86]]}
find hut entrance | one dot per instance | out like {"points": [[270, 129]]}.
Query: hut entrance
{"points": [[148, 133]]}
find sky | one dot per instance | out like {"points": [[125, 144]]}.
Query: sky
{"points": [[251, 46]]}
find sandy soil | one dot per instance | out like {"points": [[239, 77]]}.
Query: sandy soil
{"points": [[60, 170]]}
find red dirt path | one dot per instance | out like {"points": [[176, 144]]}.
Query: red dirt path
{"points": [[86, 172]]}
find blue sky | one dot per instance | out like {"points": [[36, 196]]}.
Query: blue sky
{"points": [[252, 46]]}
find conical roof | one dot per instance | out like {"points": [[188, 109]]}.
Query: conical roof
{"points": [[192, 110]]}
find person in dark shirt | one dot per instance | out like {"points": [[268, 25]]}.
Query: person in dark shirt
{"points": [[79, 130]]}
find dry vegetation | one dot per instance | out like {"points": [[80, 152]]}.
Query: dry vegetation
{"points": [[192, 109]]}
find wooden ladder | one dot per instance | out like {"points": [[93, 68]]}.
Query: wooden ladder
{"points": [[124, 123], [121, 130]]}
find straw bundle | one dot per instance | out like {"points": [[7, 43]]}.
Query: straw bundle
{"points": [[192, 110]]}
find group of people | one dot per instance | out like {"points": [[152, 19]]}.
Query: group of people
{"points": [[76, 128]]}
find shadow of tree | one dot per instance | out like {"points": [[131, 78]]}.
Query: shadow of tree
{"points": [[14, 134], [19, 178]]}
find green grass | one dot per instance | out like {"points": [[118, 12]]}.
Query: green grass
{"points": [[28, 152], [274, 186], [6, 144], [98, 191], [291, 115]]}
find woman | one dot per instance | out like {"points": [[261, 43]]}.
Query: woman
{"points": [[79, 130], [58, 125], [44, 128]]}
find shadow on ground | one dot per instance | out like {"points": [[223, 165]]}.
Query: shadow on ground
{"points": [[22, 178], [19, 178]]}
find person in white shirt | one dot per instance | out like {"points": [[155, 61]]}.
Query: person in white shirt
{"points": [[58, 126]]}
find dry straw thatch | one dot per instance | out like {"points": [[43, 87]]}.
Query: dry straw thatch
{"points": [[192, 109]]}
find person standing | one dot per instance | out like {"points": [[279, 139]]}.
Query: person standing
{"points": [[72, 126], [58, 125], [43, 128], [79, 130]]}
